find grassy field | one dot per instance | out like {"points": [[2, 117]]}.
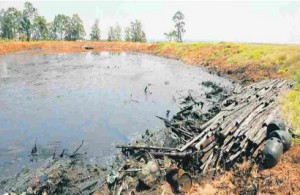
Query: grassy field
{"points": [[243, 62], [255, 61]]}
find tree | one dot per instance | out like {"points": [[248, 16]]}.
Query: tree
{"points": [[78, 28], [39, 28], [114, 33], [75, 29], [171, 36], [10, 23], [118, 33], [29, 13], [137, 34], [60, 25], [1, 19], [95, 33], [178, 19], [111, 34], [127, 34], [28, 24], [52, 33]]}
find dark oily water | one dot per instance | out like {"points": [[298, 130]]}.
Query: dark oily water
{"points": [[105, 99]]}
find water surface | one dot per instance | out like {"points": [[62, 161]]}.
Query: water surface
{"points": [[61, 99]]}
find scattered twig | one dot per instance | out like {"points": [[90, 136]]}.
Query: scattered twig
{"points": [[75, 152]]}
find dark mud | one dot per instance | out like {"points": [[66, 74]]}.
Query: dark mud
{"points": [[103, 98]]}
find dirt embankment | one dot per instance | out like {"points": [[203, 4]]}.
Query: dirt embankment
{"points": [[68, 47], [246, 63]]}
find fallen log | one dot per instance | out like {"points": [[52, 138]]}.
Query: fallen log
{"points": [[129, 147]]}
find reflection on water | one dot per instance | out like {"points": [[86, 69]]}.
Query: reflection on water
{"points": [[107, 54], [99, 97], [4, 71]]}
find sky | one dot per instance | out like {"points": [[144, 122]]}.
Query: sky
{"points": [[228, 21]]}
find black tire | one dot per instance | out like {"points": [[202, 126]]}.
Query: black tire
{"points": [[275, 125]]}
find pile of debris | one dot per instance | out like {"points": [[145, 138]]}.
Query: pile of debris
{"points": [[194, 145]]}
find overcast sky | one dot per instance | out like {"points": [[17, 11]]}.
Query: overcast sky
{"points": [[234, 21]]}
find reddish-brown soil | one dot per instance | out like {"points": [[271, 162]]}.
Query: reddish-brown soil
{"points": [[67, 47], [284, 178]]}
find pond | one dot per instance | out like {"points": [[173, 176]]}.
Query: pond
{"points": [[102, 98]]}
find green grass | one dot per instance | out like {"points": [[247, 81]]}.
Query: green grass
{"points": [[279, 56], [283, 57], [291, 106]]}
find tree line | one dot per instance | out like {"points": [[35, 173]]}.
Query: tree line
{"points": [[28, 24]]}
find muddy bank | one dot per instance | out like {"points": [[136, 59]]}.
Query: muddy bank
{"points": [[58, 176], [75, 47]]}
